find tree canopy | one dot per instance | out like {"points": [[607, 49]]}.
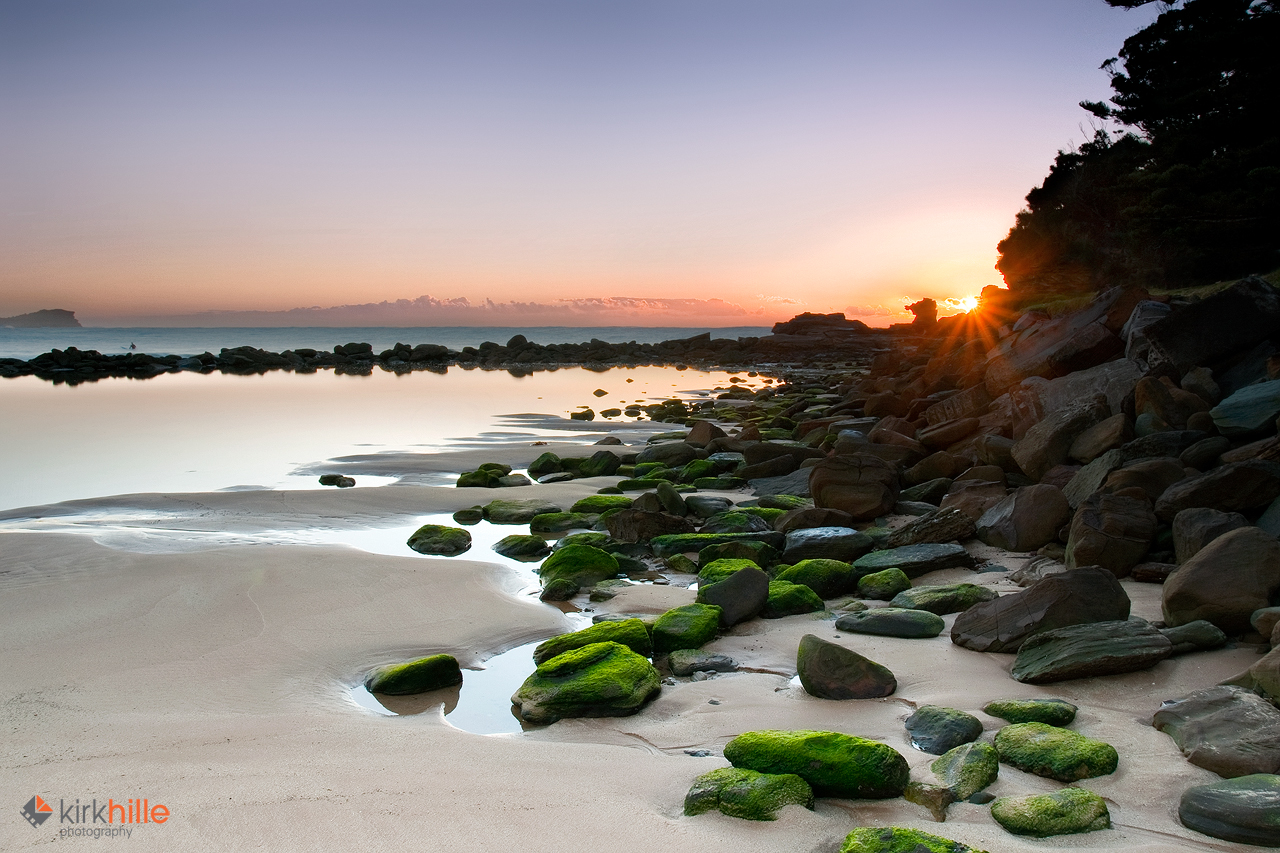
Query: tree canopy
{"points": [[1181, 182]]}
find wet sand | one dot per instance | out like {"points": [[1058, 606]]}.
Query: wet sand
{"points": [[215, 680]]}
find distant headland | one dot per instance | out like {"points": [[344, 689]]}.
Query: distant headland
{"points": [[49, 318]]}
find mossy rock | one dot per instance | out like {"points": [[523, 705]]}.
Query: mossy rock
{"points": [[747, 794], [762, 554], [1054, 712], [601, 503], [718, 570], [614, 490], [834, 764], [469, 516], [968, 768], [587, 537], [682, 564], [599, 680], [634, 484], [882, 586], [607, 589], [416, 676], [629, 632], [698, 469], [519, 546], [898, 839], [517, 511], [440, 540], [560, 589], [735, 521], [828, 578], [547, 463], [479, 479], [683, 543], [644, 468], [1063, 812], [1054, 752], [686, 627], [582, 564], [603, 463], [786, 503], [790, 599], [944, 598], [723, 483], [559, 522], [769, 514]]}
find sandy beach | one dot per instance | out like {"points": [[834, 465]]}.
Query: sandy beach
{"points": [[216, 680]]}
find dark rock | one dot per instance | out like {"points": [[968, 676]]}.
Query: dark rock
{"points": [[705, 506], [1026, 519], [805, 518], [680, 543], [1235, 487], [634, 525], [1228, 730], [936, 730], [829, 543], [931, 491], [830, 671], [1112, 531], [1245, 810], [685, 662], [1048, 443], [1198, 636], [1204, 454], [603, 463], [1250, 410], [1105, 435], [892, 622], [740, 596], [1196, 527], [861, 485], [941, 525], [973, 497], [1090, 650], [1225, 582], [1208, 331], [415, 676], [795, 483], [670, 453], [914, 560], [735, 522], [1152, 476]]}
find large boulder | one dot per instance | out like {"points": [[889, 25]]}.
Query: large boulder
{"points": [[914, 560], [804, 518], [738, 792], [1235, 487], [1196, 527], [830, 671], [416, 676], [1152, 476], [636, 525], [599, 680], [1089, 651], [1245, 810], [973, 497], [1228, 730], [1225, 582], [862, 485], [1048, 443], [826, 543], [1063, 812], [1025, 520], [1055, 753], [1112, 531], [1252, 409], [834, 764], [1089, 594], [673, 454], [939, 525], [1228, 322]]}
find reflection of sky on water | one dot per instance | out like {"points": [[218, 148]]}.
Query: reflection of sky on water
{"points": [[189, 432]]}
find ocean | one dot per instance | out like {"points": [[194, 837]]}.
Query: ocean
{"points": [[28, 343]]}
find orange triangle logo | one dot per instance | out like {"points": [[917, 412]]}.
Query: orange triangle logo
{"points": [[42, 806]]}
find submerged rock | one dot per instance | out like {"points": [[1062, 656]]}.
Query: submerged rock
{"points": [[416, 676], [835, 765], [599, 680], [440, 540], [830, 671], [1062, 812], [1054, 752], [738, 792]]}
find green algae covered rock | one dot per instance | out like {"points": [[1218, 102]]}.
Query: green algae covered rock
{"points": [[519, 546], [943, 599], [560, 589], [685, 627], [415, 676], [682, 543], [769, 514], [682, 564], [558, 522], [1062, 812], [762, 554], [790, 599], [601, 503], [968, 768], [828, 578], [882, 586], [599, 680], [1055, 752], [834, 764], [517, 511], [629, 632], [593, 538], [897, 839], [439, 540], [485, 478], [1055, 712], [547, 463], [735, 521], [718, 570], [698, 469], [785, 502], [582, 564], [747, 794], [469, 516]]}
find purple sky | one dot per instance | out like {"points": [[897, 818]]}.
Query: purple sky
{"points": [[162, 157]]}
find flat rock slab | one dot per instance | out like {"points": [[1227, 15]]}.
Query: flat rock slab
{"points": [[1245, 810], [892, 622], [1086, 651], [915, 560], [827, 543], [943, 599], [1226, 729]]}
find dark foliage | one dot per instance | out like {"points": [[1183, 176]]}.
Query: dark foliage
{"points": [[1188, 189]]}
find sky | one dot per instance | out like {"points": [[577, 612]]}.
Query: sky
{"points": [[497, 162]]}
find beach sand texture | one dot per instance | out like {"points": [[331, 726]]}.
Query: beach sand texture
{"points": [[217, 681]]}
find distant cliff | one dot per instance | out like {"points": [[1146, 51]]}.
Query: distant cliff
{"points": [[50, 318]]}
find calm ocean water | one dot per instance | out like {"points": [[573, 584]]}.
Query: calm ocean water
{"points": [[27, 343]]}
